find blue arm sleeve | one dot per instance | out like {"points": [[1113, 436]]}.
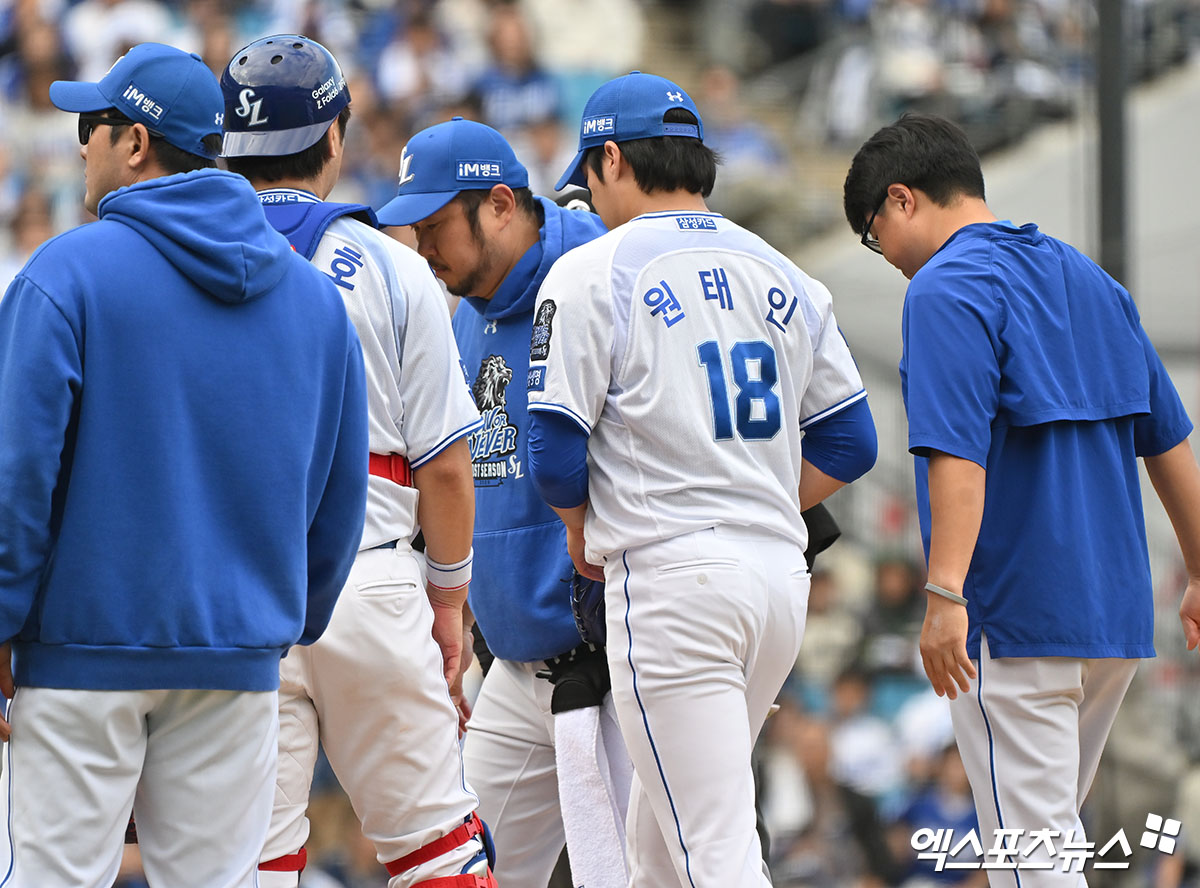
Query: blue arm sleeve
{"points": [[557, 454], [843, 445]]}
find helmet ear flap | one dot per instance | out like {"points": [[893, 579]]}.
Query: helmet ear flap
{"points": [[281, 95]]}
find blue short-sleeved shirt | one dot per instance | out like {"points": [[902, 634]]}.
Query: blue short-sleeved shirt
{"points": [[1022, 355]]}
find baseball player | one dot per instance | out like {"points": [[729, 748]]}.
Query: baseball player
{"points": [[492, 242], [182, 484], [675, 363], [372, 692], [1026, 436]]}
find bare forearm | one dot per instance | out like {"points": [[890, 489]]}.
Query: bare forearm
{"points": [[573, 517], [446, 510], [1176, 480], [956, 492], [815, 485]]}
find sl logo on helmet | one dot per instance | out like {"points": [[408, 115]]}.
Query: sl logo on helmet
{"points": [[253, 110]]}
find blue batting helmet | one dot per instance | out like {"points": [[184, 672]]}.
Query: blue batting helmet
{"points": [[281, 95]]}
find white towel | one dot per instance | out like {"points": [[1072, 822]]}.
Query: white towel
{"points": [[594, 775]]}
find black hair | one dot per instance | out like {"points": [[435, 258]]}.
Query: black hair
{"points": [[473, 199], [666, 163], [176, 160], [306, 164], [169, 157], [918, 150]]}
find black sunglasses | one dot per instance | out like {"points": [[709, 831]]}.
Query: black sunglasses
{"points": [[88, 122], [870, 241]]}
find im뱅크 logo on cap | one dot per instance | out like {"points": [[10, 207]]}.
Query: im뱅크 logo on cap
{"points": [[480, 169], [600, 126], [143, 102]]}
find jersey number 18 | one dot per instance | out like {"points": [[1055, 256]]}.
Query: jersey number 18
{"points": [[743, 357]]}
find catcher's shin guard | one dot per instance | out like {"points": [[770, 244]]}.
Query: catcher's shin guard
{"points": [[476, 874]]}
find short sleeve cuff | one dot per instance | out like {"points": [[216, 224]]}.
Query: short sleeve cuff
{"points": [[920, 445]]}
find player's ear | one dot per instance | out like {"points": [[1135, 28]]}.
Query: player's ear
{"points": [[613, 160], [139, 146], [503, 202], [904, 198], [334, 142]]}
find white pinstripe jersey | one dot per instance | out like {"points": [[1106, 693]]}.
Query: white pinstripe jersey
{"points": [[417, 398], [693, 354]]}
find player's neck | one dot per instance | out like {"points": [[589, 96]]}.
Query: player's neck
{"points": [[308, 185], [513, 243], [320, 184], [968, 211], [640, 203]]}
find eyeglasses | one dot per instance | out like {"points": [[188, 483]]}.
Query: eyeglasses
{"points": [[88, 122], [870, 241]]}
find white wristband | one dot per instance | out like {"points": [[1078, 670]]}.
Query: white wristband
{"points": [[449, 577], [946, 593]]}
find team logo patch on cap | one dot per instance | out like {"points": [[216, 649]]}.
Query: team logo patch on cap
{"points": [[539, 342], [143, 102], [480, 169], [600, 126], [406, 174]]}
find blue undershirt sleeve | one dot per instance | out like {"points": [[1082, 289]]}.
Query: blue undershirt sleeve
{"points": [[842, 445], [557, 454]]}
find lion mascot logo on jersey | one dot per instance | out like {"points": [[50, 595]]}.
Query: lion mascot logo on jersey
{"points": [[497, 437], [494, 377]]}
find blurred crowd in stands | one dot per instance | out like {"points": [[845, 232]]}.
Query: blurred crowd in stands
{"points": [[860, 753], [781, 82]]}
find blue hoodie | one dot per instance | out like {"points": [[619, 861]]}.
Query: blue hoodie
{"points": [[522, 601], [183, 455]]}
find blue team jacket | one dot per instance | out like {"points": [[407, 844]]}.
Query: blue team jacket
{"points": [[520, 593], [183, 461]]}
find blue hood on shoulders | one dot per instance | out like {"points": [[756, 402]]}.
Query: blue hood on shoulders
{"points": [[212, 229]]}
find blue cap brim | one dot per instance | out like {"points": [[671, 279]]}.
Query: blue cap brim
{"points": [[77, 96], [408, 209], [575, 174]]}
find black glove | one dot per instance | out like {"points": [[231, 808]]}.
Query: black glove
{"points": [[479, 646], [823, 531], [587, 606], [580, 678]]}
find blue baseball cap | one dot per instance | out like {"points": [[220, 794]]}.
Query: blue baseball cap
{"points": [[439, 162], [171, 91], [626, 109]]}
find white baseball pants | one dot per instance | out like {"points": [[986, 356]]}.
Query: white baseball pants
{"points": [[371, 691], [1030, 732], [510, 760], [197, 769], [703, 629]]}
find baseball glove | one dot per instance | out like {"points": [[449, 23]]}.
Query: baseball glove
{"points": [[587, 606], [823, 532]]}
